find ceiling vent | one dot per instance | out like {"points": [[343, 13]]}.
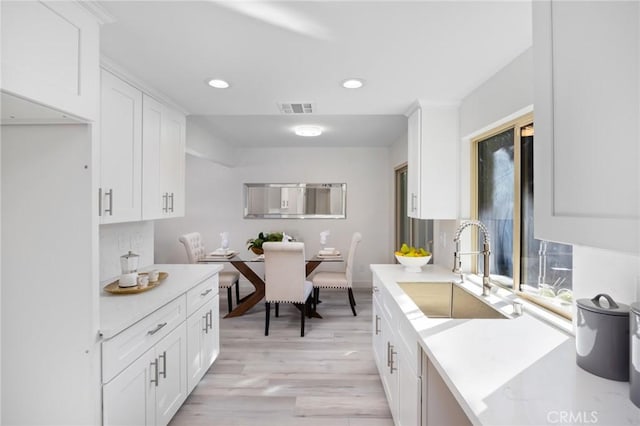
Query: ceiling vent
{"points": [[296, 107]]}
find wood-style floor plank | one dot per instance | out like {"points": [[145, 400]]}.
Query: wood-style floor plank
{"points": [[326, 378]]}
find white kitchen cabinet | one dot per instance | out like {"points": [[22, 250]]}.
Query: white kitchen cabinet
{"points": [[587, 96], [432, 166], [203, 341], [440, 406], [152, 388], [57, 64], [120, 151], [163, 156], [396, 363]]}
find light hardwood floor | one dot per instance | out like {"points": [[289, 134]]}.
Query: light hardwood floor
{"points": [[326, 378]]}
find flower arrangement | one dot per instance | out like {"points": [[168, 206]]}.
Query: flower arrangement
{"points": [[255, 244]]}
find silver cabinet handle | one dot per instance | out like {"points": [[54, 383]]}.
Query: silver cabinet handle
{"points": [[165, 202], [392, 367], [172, 202], [99, 201], [388, 354], [164, 364], [377, 325], [154, 364], [210, 314], [205, 317], [414, 198], [204, 293], [155, 330], [109, 194]]}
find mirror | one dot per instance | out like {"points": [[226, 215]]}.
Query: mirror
{"points": [[295, 200]]}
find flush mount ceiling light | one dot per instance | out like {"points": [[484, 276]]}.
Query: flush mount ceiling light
{"points": [[353, 83], [308, 131], [218, 84]]}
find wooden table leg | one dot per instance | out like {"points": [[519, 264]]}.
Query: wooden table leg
{"points": [[251, 300]]}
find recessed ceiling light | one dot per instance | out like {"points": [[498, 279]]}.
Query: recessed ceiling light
{"points": [[308, 131], [218, 84], [352, 83]]}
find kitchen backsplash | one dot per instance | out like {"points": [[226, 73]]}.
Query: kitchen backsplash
{"points": [[118, 239]]}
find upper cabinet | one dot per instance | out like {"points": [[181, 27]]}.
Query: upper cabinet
{"points": [[432, 166], [586, 58], [142, 155], [56, 66], [120, 151], [163, 141]]}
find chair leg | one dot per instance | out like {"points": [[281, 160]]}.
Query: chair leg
{"points": [[352, 302], [303, 314], [229, 298], [277, 309], [309, 306], [237, 292], [316, 296], [267, 310]]}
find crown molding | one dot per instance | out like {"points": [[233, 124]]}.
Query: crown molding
{"points": [[98, 11]]}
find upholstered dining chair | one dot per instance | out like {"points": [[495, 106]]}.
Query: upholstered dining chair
{"points": [[326, 279], [285, 279], [194, 246]]}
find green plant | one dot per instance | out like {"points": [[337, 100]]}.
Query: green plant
{"points": [[263, 237]]}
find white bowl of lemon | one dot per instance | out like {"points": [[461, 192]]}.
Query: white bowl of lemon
{"points": [[413, 259]]}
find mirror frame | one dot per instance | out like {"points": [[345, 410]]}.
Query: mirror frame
{"points": [[247, 215]]}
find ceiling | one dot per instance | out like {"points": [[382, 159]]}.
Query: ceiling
{"points": [[300, 51]]}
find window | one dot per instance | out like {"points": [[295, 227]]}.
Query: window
{"points": [[542, 270]]}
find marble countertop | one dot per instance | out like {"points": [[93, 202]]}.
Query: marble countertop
{"points": [[118, 312], [519, 371]]}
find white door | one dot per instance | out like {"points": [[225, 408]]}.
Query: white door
{"points": [[172, 160], [212, 341], [197, 329], [171, 353], [120, 151], [129, 399], [414, 136], [409, 391]]}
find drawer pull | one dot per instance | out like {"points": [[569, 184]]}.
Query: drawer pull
{"points": [[210, 319], [155, 330], [205, 328], [164, 364], [154, 364], [203, 294], [392, 366], [377, 325]]}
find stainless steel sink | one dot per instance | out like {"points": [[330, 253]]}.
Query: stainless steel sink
{"points": [[447, 300]]}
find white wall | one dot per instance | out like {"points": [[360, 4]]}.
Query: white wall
{"points": [[201, 143], [117, 239], [214, 202], [505, 96]]}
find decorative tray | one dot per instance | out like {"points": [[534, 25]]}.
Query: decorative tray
{"points": [[114, 288]]}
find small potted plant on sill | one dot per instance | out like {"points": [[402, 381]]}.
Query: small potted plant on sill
{"points": [[255, 244]]}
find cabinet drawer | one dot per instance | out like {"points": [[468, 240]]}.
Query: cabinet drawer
{"points": [[124, 348], [198, 296]]}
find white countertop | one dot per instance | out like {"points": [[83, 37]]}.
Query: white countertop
{"points": [[118, 312], [518, 371]]}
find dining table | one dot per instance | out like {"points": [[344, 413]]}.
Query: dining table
{"points": [[242, 263]]}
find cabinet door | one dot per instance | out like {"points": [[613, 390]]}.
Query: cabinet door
{"points": [[203, 344], [379, 344], [409, 390], [50, 55], [172, 161], [432, 164], [414, 133], [154, 201], [586, 98], [390, 368], [120, 151], [129, 399], [171, 390]]}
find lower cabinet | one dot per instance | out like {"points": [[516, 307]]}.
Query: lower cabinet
{"points": [[203, 341], [150, 368], [396, 362], [152, 388], [439, 405]]}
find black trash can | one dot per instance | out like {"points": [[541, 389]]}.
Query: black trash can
{"points": [[602, 337]]}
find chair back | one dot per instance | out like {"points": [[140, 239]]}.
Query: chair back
{"points": [[284, 272], [194, 245], [355, 239]]}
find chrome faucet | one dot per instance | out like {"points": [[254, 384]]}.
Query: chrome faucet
{"points": [[486, 252]]}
